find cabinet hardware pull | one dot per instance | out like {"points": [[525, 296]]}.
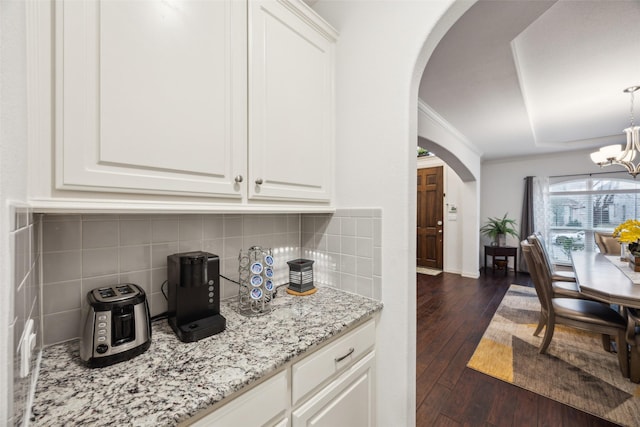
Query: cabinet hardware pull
{"points": [[259, 181], [239, 179], [341, 358]]}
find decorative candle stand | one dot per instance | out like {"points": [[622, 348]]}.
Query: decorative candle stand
{"points": [[301, 277], [255, 268]]}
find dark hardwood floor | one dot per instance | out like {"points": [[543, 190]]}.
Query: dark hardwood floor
{"points": [[452, 314]]}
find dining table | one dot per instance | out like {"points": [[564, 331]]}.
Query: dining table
{"points": [[610, 279]]}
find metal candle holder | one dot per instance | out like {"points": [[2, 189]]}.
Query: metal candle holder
{"points": [[301, 275]]}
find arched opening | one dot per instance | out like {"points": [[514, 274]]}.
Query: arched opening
{"points": [[439, 137]]}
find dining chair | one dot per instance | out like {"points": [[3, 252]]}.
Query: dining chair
{"points": [[607, 244], [633, 339], [558, 275], [564, 285], [583, 314]]}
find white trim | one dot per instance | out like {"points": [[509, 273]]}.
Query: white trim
{"points": [[472, 275], [311, 18], [39, 94], [59, 205], [436, 118]]}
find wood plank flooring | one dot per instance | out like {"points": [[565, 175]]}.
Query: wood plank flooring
{"points": [[452, 314]]}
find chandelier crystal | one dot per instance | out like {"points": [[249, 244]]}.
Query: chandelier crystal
{"points": [[614, 154]]}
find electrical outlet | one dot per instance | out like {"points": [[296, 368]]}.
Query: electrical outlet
{"points": [[27, 345]]}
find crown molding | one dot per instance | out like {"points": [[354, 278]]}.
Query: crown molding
{"points": [[440, 121], [304, 12]]}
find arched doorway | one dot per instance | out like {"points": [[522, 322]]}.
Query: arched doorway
{"points": [[382, 51]]}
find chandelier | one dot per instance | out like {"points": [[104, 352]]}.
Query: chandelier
{"points": [[614, 155]]}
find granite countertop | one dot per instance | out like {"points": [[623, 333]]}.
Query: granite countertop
{"points": [[173, 381]]}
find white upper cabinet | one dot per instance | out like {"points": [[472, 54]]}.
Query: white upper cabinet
{"points": [[214, 104], [291, 87], [151, 96]]}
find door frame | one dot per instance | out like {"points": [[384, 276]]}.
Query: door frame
{"points": [[432, 162]]}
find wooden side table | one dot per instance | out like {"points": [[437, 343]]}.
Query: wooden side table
{"points": [[501, 251]]}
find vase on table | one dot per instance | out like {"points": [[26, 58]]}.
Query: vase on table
{"points": [[623, 252]]}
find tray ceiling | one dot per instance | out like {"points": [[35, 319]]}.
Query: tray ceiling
{"points": [[528, 77]]}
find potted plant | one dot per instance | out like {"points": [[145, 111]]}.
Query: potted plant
{"points": [[498, 228]]}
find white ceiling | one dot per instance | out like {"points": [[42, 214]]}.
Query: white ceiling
{"points": [[521, 77]]}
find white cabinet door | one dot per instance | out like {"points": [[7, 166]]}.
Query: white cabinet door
{"points": [[151, 96], [291, 83], [347, 401]]}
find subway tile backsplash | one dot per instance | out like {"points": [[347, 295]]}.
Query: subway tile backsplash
{"points": [[347, 249], [82, 252], [24, 232]]}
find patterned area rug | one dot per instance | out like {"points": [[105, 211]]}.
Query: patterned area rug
{"points": [[576, 371], [429, 271]]}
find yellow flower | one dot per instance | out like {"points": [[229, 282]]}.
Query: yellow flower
{"points": [[628, 231]]}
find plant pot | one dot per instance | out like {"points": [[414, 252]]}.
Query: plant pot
{"points": [[501, 239]]}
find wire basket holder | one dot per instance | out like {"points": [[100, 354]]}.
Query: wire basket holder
{"points": [[255, 269]]}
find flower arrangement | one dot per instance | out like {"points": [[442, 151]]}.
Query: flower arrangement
{"points": [[628, 231]]}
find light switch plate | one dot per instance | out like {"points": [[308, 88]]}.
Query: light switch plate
{"points": [[27, 345]]}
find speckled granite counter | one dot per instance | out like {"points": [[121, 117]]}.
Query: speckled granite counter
{"points": [[172, 381]]}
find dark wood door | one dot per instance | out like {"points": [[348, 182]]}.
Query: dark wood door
{"points": [[430, 222]]}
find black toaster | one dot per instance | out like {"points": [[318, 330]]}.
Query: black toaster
{"points": [[117, 325]]}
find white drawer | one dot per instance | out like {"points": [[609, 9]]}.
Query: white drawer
{"points": [[313, 370], [256, 407]]}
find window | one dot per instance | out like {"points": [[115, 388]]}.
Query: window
{"points": [[579, 207]]}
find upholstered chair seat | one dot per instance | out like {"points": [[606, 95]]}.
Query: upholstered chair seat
{"points": [[585, 311]]}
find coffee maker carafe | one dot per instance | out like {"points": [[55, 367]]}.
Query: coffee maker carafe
{"points": [[194, 295]]}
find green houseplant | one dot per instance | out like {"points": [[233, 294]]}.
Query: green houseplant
{"points": [[498, 228]]}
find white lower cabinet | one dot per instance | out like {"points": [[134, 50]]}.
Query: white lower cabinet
{"points": [[346, 401], [333, 386]]}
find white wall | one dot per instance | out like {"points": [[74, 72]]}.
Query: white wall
{"points": [[502, 186], [378, 54], [13, 168]]}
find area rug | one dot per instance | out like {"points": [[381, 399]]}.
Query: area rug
{"points": [[576, 371], [429, 271]]}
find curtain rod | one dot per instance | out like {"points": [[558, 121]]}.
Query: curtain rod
{"points": [[586, 174]]}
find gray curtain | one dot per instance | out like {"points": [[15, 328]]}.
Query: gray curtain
{"points": [[526, 221]]}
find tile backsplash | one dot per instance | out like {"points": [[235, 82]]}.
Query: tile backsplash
{"points": [[25, 251], [347, 249], [82, 252]]}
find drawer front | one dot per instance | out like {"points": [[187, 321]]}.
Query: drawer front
{"points": [[315, 369], [349, 400], [257, 407]]}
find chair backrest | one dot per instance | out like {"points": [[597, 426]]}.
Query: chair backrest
{"points": [[537, 241], [607, 244], [539, 276]]}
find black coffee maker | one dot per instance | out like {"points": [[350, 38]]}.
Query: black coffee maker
{"points": [[194, 295]]}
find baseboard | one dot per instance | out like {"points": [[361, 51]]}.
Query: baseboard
{"points": [[471, 275]]}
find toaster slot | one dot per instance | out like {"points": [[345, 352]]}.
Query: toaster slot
{"points": [[124, 289], [123, 325], [106, 293]]}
